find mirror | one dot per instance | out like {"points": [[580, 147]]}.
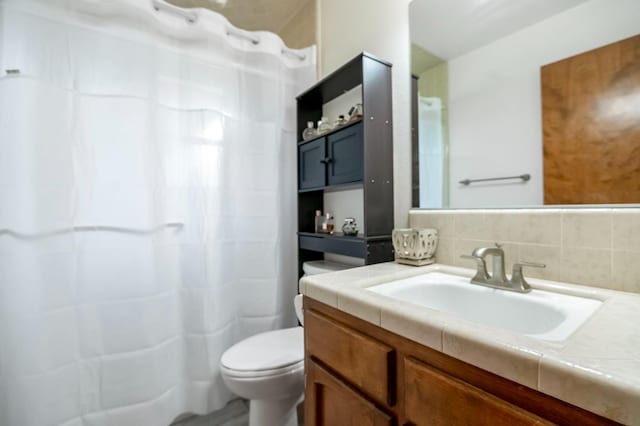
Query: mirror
{"points": [[525, 103]]}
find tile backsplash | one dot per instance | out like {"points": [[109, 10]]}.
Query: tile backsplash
{"points": [[595, 247]]}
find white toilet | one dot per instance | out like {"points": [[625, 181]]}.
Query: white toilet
{"points": [[268, 368]]}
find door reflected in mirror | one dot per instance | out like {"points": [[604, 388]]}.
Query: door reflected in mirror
{"points": [[525, 103]]}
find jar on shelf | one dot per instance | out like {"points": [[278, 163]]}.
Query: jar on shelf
{"points": [[340, 121], [350, 227], [356, 112], [310, 132], [328, 224]]}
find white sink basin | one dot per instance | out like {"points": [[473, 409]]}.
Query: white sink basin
{"points": [[540, 314]]}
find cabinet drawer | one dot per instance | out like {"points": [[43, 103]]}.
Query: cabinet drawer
{"points": [[330, 402], [361, 360], [433, 398]]}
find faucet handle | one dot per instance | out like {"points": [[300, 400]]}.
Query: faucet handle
{"points": [[519, 265], [517, 280]]}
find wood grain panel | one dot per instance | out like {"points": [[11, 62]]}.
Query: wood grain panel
{"points": [[530, 400], [436, 399], [330, 402], [363, 361], [591, 126]]}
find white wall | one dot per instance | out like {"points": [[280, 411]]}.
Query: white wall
{"points": [[495, 99], [380, 27]]}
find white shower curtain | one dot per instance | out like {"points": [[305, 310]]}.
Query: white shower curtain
{"points": [[432, 153], [147, 207]]}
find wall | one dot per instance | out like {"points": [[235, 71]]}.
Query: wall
{"points": [[495, 99], [300, 31], [380, 27], [421, 60], [595, 247], [435, 82]]}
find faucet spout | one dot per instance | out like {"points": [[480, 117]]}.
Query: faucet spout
{"points": [[498, 275], [498, 278]]}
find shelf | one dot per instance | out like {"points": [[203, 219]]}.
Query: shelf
{"points": [[335, 235], [333, 188], [340, 236], [340, 81], [339, 244], [346, 246], [332, 131]]}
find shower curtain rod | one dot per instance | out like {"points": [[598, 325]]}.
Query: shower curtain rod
{"points": [[89, 228], [295, 54], [256, 40], [241, 34], [192, 18]]}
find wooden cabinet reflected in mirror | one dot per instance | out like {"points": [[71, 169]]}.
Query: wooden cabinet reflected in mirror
{"points": [[591, 126]]}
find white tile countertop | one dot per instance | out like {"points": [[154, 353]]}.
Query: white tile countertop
{"points": [[596, 368]]}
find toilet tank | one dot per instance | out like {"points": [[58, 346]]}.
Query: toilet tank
{"points": [[316, 267]]}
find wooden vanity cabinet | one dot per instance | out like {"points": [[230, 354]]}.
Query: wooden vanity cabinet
{"points": [[436, 398], [359, 374], [331, 402]]}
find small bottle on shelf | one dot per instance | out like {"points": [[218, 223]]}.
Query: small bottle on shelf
{"points": [[328, 224], [318, 221], [310, 132], [324, 126]]}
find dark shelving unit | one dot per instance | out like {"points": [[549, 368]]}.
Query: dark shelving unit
{"points": [[331, 132], [415, 143], [356, 155]]}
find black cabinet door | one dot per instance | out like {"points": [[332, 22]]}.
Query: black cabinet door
{"points": [[345, 156], [311, 164]]}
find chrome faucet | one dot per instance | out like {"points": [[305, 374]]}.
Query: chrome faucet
{"points": [[498, 278]]}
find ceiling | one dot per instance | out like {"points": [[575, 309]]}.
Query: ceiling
{"points": [[252, 15], [450, 28]]}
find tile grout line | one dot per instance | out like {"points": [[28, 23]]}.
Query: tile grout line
{"points": [[561, 269], [611, 274]]}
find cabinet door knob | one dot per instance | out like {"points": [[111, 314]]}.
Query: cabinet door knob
{"points": [[326, 160]]}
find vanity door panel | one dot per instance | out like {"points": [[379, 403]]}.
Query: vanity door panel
{"points": [[434, 398], [331, 402]]}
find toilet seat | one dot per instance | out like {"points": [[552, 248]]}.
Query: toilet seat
{"points": [[266, 354], [289, 369]]}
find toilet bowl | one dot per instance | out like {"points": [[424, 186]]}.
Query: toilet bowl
{"points": [[268, 368]]}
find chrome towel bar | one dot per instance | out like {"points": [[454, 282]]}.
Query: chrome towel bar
{"points": [[524, 178]]}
